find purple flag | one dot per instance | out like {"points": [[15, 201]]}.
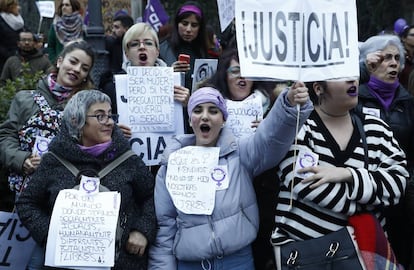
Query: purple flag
{"points": [[155, 14]]}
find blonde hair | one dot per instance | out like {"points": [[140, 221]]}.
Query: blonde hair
{"points": [[136, 30], [5, 5]]}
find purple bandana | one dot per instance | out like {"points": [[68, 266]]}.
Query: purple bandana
{"points": [[190, 8]]}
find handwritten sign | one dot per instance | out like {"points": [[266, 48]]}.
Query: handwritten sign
{"points": [[46, 8], [242, 114], [16, 245], [150, 98], [308, 40], [82, 229], [226, 12], [203, 69], [189, 179], [149, 146]]}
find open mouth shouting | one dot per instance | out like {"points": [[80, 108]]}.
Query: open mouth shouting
{"points": [[143, 57], [204, 128], [393, 75]]}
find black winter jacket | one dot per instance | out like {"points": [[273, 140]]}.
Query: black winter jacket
{"points": [[131, 178], [400, 117]]}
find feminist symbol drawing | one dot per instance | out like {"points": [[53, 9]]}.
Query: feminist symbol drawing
{"points": [[218, 175]]}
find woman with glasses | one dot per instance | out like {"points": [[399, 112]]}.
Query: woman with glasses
{"points": [[36, 114], [67, 26], [90, 140], [235, 87], [141, 47], [11, 23]]}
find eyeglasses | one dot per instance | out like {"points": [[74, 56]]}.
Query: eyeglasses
{"points": [[26, 40], [148, 43], [234, 71], [103, 118]]}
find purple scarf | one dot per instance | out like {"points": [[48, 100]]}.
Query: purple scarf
{"points": [[97, 149], [383, 91]]}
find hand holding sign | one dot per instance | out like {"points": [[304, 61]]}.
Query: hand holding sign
{"points": [[290, 40]]}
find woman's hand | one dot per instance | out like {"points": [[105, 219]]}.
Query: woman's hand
{"points": [[373, 60], [126, 130], [136, 243], [326, 175], [181, 94], [181, 66], [31, 163], [298, 94]]}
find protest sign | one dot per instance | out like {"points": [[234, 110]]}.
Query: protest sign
{"points": [[46, 8], [242, 114], [150, 99], [203, 69], [189, 179], [226, 13], [82, 229], [307, 40], [16, 245], [148, 145]]}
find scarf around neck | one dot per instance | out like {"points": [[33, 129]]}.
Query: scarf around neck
{"points": [[95, 150], [60, 92], [383, 91], [68, 27], [15, 22]]}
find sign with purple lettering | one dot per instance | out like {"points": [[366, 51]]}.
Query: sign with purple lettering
{"points": [[307, 40]]}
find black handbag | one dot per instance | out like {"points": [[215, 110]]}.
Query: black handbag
{"points": [[336, 251]]}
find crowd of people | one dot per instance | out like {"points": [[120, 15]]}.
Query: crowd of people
{"points": [[360, 131]]}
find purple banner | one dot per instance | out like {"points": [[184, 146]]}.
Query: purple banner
{"points": [[155, 14]]}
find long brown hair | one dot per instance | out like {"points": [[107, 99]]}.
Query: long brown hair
{"points": [[87, 48], [76, 6]]}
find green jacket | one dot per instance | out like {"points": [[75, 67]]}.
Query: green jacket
{"points": [[54, 47]]}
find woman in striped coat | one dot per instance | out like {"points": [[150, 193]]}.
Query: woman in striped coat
{"points": [[331, 182]]}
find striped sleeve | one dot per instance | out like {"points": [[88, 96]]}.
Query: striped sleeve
{"points": [[304, 213]]}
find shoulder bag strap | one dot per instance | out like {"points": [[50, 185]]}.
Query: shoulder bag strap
{"points": [[102, 172], [67, 164], [115, 163]]}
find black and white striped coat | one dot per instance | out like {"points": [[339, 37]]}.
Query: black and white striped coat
{"points": [[319, 211]]}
